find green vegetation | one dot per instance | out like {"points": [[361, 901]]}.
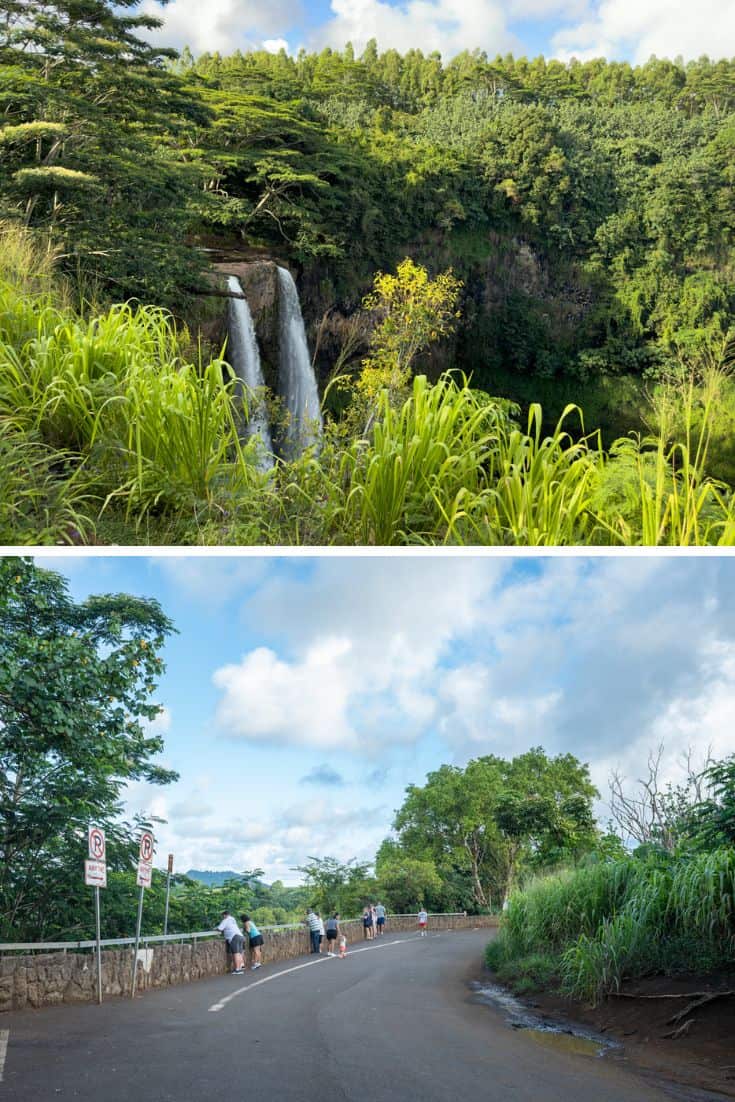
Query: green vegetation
{"points": [[570, 234], [116, 429], [76, 687], [588, 929]]}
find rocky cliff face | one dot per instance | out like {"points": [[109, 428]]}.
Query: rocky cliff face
{"points": [[259, 281]]}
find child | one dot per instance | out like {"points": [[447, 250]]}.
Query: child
{"points": [[422, 920], [343, 946]]}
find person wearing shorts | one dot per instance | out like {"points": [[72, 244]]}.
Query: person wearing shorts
{"points": [[255, 940], [380, 914], [367, 924], [333, 932], [234, 940], [423, 918]]}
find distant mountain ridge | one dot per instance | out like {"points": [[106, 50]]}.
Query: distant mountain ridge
{"points": [[213, 878]]}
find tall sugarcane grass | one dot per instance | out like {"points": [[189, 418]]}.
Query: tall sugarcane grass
{"points": [[154, 429], [43, 498], [625, 918], [156, 432], [423, 471]]}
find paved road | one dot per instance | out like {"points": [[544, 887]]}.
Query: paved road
{"points": [[394, 1021]]}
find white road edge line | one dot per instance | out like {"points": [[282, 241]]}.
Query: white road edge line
{"points": [[296, 968], [4, 1034]]}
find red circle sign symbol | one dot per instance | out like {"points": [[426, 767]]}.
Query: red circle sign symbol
{"points": [[146, 846], [96, 844]]}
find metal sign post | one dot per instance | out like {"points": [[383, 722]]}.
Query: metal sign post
{"points": [[143, 881], [95, 873], [99, 945], [168, 891]]}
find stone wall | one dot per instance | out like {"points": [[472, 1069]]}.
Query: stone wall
{"points": [[50, 979]]}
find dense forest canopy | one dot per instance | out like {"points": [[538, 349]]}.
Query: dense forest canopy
{"points": [[588, 206]]}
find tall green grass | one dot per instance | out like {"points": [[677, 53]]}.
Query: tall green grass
{"points": [[615, 920], [154, 431], [121, 403]]}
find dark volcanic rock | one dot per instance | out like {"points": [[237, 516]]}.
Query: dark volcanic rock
{"points": [[259, 281]]}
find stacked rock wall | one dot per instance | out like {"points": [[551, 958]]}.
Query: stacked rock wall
{"points": [[49, 979]]}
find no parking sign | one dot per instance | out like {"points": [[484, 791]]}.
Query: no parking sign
{"points": [[146, 847], [96, 843]]}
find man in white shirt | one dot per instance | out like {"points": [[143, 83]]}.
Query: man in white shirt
{"points": [[314, 923], [235, 941], [423, 918]]}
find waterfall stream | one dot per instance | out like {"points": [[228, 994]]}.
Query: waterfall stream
{"points": [[244, 357], [296, 378]]}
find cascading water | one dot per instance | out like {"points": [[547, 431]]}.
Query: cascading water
{"points": [[296, 378], [243, 355]]}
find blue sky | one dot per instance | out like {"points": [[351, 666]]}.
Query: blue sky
{"points": [[302, 694], [630, 29]]}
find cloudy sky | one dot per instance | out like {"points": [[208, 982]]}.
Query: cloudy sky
{"points": [[303, 694], [632, 29]]}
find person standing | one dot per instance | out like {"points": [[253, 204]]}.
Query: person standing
{"points": [[367, 924], [321, 930], [380, 915], [333, 932], [423, 919], [232, 934], [313, 922], [255, 941]]}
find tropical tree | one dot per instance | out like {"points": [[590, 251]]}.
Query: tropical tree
{"points": [[90, 115], [336, 886], [494, 816], [77, 684]]}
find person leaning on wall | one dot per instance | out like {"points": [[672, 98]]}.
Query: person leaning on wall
{"points": [[234, 940], [255, 941]]}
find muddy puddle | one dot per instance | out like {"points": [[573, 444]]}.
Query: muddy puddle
{"points": [[561, 1036]]}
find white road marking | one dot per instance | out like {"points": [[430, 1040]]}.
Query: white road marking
{"points": [[4, 1034], [296, 968]]}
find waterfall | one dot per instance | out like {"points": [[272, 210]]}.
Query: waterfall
{"points": [[243, 355], [296, 378]]}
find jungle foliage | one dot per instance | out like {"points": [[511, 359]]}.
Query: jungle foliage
{"points": [[588, 206], [115, 428], [587, 930], [555, 230]]}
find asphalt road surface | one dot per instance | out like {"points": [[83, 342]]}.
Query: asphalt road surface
{"points": [[394, 1020]]}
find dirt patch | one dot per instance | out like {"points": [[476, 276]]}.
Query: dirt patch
{"points": [[701, 1056]]}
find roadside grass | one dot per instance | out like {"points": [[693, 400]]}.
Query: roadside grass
{"points": [[605, 923], [523, 975]]}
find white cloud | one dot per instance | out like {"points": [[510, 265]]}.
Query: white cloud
{"points": [[212, 579], [223, 25], [667, 28], [448, 26], [275, 45], [265, 698], [355, 650], [604, 663], [193, 807]]}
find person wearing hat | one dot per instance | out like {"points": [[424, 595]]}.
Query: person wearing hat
{"points": [[232, 933]]}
